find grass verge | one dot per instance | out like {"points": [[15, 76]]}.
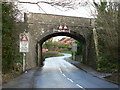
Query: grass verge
{"points": [[70, 52], [47, 56], [9, 76], [114, 77]]}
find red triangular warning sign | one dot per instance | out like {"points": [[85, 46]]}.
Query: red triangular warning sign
{"points": [[60, 27], [24, 37], [65, 27]]}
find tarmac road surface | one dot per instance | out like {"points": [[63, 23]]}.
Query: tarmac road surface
{"points": [[58, 73]]}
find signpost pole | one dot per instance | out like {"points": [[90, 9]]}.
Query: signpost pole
{"points": [[24, 46], [24, 64], [73, 55], [74, 49]]}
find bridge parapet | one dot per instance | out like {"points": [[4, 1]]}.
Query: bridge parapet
{"points": [[49, 19], [41, 26]]}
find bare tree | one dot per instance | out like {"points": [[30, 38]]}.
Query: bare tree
{"points": [[62, 5], [66, 4]]}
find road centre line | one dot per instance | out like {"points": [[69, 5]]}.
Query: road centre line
{"points": [[80, 86], [70, 79], [64, 75], [60, 70]]}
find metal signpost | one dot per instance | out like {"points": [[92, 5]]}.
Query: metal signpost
{"points": [[74, 49], [24, 46]]}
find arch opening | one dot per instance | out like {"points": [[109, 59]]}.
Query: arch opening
{"points": [[73, 35]]}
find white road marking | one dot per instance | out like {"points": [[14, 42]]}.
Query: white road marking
{"points": [[70, 79], [64, 75], [80, 86], [60, 70]]}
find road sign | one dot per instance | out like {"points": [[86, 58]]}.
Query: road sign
{"points": [[24, 37], [24, 42], [62, 29], [74, 47], [65, 27]]}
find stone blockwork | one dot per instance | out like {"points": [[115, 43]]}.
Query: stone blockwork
{"points": [[41, 27]]}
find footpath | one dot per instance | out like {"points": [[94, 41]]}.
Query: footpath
{"points": [[22, 81], [88, 69]]}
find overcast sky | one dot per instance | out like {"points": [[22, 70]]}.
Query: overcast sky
{"points": [[87, 11], [80, 11]]}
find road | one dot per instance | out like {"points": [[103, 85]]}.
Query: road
{"points": [[58, 73]]}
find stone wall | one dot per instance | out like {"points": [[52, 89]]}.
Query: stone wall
{"points": [[31, 55], [41, 26]]}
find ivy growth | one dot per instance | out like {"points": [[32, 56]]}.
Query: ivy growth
{"points": [[10, 53]]}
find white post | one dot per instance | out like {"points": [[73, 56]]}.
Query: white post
{"points": [[95, 40], [73, 55], [74, 49], [24, 64]]}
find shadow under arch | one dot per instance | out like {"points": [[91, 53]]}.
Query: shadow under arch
{"points": [[74, 35]]}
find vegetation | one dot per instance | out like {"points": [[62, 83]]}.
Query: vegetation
{"points": [[47, 44], [107, 32], [55, 46], [10, 49], [115, 77], [79, 48], [50, 45]]}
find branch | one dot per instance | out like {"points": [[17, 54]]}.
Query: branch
{"points": [[28, 2], [65, 4], [37, 3], [41, 8]]}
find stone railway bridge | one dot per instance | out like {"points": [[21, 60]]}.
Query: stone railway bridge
{"points": [[41, 27]]}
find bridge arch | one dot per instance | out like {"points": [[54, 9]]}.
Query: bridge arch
{"points": [[72, 34], [41, 27]]}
